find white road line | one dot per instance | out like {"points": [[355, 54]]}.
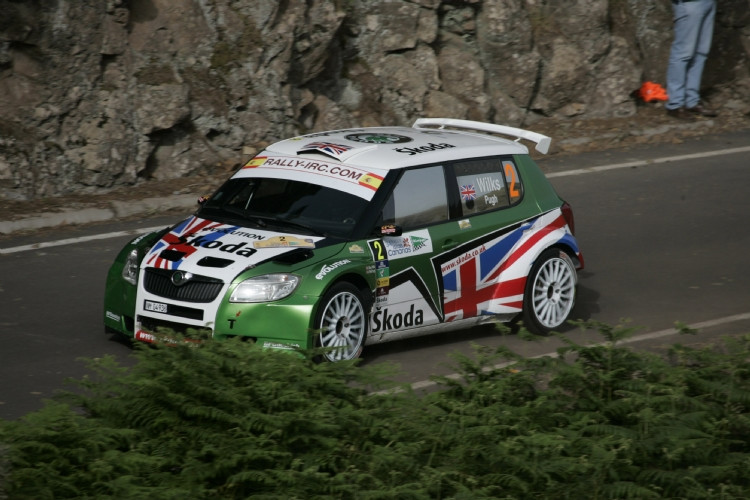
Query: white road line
{"points": [[82, 239], [657, 161], [424, 384]]}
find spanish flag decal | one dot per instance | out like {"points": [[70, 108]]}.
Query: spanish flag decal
{"points": [[371, 181], [256, 162]]}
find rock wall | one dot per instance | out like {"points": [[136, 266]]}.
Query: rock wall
{"points": [[96, 94]]}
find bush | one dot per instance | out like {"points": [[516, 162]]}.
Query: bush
{"points": [[230, 420]]}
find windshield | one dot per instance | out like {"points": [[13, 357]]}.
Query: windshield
{"points": [[284, 204]]}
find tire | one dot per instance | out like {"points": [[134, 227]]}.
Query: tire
{"points": [[550, 292], [342, 323]]}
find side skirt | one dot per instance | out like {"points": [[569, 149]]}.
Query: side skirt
{"points": [[420, 331]]}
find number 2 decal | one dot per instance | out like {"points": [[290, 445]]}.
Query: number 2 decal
{"points": [[378, 250], [510, 176]]}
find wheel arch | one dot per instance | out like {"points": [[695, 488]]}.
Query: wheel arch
{"points": [[343, 316], [574, 255], [355, 279]]}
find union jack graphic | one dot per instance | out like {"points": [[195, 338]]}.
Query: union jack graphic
{"points": [[328, 147], [468, 192], [178, 240], [491, 279]]}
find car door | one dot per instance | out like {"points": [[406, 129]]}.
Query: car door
{"points": [[408, 292]]}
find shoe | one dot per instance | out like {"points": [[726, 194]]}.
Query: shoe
{"points": [[700, 109], [681, 114]]}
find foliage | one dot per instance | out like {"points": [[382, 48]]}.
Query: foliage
{"points": [[230, 420]]}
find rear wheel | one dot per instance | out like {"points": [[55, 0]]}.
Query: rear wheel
{"points": [[342, 323], [550, 292]]}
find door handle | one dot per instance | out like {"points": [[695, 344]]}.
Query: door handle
{"points": [[448, 244]]}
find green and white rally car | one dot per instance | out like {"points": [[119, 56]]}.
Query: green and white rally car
{"points": [[352, 237]]}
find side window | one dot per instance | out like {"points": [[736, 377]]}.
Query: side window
{"points": [[487, 184], [418, 199]]}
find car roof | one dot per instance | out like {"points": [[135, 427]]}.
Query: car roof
{"points": [[429, 140]]}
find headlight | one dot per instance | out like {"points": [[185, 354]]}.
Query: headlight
{"points": [[130, 270], [265, 288]]}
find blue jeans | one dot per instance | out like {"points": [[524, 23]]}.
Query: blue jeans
{"points": [[693, 30]]}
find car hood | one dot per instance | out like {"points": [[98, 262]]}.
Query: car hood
{"points": [[219, 250]]}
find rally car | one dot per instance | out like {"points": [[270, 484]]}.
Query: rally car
{"points": [[351, 237]]}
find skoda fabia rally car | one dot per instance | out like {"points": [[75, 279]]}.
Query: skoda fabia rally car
{"points": [[352, 237]]}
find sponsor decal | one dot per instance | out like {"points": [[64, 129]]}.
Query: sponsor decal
{"points": [[464, 224], [234, 232], [320, 171], [256, 162], [371, 138], [150, 338], [490, 200], [145, 337], [382, 270], [468, 192], [488, 184], [415, 243], [381, 297], [461, 259], [424, 149], [329, 148], [327, 268], [388, 319], [377, 247], [285, 242], [314, 166], [278, 345], [235, 248], [371, 181], [356, 249], [112, 316], [185, 238], [489, 278], [383, 282], [232, 321]]}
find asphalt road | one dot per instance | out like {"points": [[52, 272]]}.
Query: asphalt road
{"points": [[663, 230]]}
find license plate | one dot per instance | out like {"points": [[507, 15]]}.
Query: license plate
{"points": [[155, 307]]}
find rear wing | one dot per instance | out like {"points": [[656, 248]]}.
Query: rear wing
{"points": [[542, 141]]}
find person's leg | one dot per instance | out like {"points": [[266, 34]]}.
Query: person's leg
{"points": [[686, 29], [694, 70]]}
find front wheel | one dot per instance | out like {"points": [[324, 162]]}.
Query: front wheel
{"points": [[341, 323], [550, 292]]}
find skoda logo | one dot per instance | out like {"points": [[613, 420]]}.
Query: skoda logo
{"points": [[179, 278]]}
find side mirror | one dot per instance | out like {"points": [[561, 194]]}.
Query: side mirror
{"points": [[390, 230]]}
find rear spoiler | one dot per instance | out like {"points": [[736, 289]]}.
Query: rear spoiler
{"points": [[542, 141]]}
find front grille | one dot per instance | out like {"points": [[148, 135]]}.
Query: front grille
{"points": [[198, 289]]}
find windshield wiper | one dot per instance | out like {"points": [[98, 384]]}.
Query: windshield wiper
{"points": [[232, 215], [286, 222], [240, 216]]}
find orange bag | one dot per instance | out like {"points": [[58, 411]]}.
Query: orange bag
{"points": [[651, 92]]}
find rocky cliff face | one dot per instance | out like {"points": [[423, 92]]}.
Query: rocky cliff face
{"points": [[99, 94]]}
